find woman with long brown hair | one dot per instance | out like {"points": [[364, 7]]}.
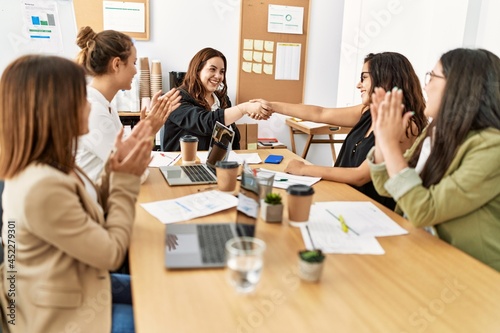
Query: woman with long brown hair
{"points": [[69, 233], [449, 181], [387, 69], [205, 101]]}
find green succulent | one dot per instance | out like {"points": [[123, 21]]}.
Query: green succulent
{"points": [[273, 199], [312, 255]]}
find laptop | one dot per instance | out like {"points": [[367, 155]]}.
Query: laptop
{"points": [[220, 145], [189, 246]]}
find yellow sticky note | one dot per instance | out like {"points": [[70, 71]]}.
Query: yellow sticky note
{"points": [[257, 56], [247, 55], [258, 45], [246, 67], [248, 44], [269, 46], [257, 68], [268, 69], [268, 57]]}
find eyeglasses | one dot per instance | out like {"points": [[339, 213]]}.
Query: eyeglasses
{"points": [[430, 75], [362, 78]]}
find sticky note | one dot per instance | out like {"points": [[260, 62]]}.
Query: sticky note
{"points": [[257, 68], [247, 55], [258, 45], [268, 57], [248, 44]]}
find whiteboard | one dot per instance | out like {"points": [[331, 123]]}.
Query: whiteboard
{"points": [[15, 40]]}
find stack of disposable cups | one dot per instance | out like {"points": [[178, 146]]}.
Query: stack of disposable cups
{"points": [[144, 82], [156, 78]]}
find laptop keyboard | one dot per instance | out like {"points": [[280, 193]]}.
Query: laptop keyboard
{"points": [[213, 238], [198, 173]]}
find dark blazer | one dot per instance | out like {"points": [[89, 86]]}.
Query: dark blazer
{"points": [[193, 119]]}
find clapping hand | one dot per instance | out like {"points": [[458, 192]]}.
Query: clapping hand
{"points": [[133, 154], [161, 108]]}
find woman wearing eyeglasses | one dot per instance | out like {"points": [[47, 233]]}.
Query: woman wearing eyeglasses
{"points": [[386, 70], [450, 178]]}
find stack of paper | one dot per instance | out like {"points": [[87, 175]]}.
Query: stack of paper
{"points": [[363, 220]]}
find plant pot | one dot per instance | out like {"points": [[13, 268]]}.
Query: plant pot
{"points": [[310, 271], [271, 213]]}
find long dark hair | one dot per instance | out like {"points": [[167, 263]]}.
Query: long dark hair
{"points": [[392, 69], [471, 101], [192, 83]]}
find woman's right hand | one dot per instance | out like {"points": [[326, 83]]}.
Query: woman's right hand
{"points": [[259, 109]]}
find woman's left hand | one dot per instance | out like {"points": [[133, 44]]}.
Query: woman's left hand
{"points": [[294, 167]]}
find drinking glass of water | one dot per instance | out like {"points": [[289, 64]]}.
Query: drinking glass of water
{"points": [[244, 259]]}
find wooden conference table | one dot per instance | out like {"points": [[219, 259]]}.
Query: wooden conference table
{"points": [[420, 284]]}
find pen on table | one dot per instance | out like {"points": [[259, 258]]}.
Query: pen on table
{"points": [[281, 180], [163, 155], [344, 226], [175, 159]]}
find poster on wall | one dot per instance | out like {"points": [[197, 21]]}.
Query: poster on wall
{"points": [[42, 25]]}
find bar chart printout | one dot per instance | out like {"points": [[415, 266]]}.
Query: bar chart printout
{"points": [[42, 26]]}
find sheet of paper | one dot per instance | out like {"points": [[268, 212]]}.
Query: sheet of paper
{"points": [[287, 61], [163, 158], [330, 239], [251, 158], [310, 124], [283, 180], [42, 26], [124, 16], [190, 206], [361, 216], [285, 19]]}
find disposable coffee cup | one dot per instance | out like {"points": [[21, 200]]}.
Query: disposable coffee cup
{"points": [[299, 200], [189, 147], [217, 153], [227, 172]]}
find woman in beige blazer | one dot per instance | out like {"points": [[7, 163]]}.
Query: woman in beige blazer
{"points": [[62, 234]]}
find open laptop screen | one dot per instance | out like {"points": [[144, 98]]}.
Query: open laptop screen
{"points": [[220, 144]]}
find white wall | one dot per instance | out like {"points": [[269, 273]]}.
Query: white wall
{"points": [[178, 32], [421, 30], [341, 33]]}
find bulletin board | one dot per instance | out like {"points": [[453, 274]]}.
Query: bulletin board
{"points": [[259, 55], [90, 13]]}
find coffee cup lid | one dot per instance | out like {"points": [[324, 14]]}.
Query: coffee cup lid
{"points": [[226, 164], [189, 138], [300, 189]]}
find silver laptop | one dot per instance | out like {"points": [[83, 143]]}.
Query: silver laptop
{"points": [[220, 145], [203, 245]]}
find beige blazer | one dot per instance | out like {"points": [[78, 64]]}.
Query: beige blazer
{"points": [[65, 245]]}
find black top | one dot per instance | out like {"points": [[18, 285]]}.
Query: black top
{"points": [[353, 153], [193, 119]]}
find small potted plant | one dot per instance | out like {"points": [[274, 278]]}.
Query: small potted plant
{"points": [[311, 265], [272, 208]]}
